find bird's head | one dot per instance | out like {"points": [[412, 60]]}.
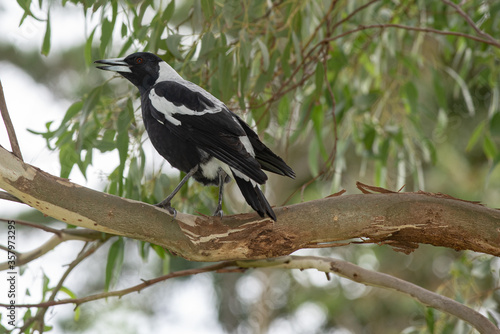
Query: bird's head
{"points": [[143, 69]]}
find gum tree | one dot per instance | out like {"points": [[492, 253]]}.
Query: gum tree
{"points": [[388, 94]]}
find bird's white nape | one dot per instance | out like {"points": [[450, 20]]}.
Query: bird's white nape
{"points": [[167, 73]]}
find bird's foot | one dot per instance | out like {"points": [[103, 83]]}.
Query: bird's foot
{"points": [[219, 213], [168, 207]]}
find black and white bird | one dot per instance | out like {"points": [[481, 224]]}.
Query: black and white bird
{"points": [[196, 133]]}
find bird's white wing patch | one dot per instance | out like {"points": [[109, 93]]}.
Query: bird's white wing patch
{"points": [[165, 107], [247, 145], [244, 177], [168, 109]]}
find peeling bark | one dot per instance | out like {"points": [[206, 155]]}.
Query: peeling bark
{"points": [[402, 220]]}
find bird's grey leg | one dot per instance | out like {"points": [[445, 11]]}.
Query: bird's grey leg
{"points": [[218, 210], [165, 204]]}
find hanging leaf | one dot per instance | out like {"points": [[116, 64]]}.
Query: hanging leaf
{"points": [[114, 263], [489, 147], [168, 12], [46, 38], [264, 53], [465, 90], [106, 33], [478, 132], [283, 110], [319, 79], [430, 319], [495, 125], [88, 48], [173, 44], [411, 95], [67, 159], [122, 140]]}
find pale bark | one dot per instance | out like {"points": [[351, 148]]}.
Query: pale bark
{"points": [[402, 220], [372, 278]]}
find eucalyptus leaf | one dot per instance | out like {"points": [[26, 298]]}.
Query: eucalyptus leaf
{"points": [[46, 38], [114, 263]]}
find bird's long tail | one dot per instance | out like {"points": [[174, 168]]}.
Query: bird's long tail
{"points": [[253, 195]]}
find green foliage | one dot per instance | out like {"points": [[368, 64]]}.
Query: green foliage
{"points": [[387, 84], [114, 262], [46, 39], [338, 100]]}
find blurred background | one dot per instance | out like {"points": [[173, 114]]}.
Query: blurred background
{"points": [[341, 90]]}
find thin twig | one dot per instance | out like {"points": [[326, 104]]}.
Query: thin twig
{"points": [[331, 159], [354, 12], [308, 58], [59, 237], [469, 20], [82, 255], [136, 288], [6, 249], [330, 162], [84, 234], [34, 225], [405, 27], [8, 197], [53, 242], [14, 144]]}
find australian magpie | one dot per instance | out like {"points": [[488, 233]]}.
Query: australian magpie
{"points": [[197, 133]]}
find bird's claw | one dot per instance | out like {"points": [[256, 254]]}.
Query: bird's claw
{"points": [[168, 207], [172, 211], [219, 213]]}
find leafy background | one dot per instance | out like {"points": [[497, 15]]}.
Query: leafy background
{"points": [[344, 91]]}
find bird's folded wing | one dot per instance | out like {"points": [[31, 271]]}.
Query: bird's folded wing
{"points": [[198, 117], [267, 158]]}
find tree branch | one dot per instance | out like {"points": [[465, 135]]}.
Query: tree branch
{"points": [[33, 225], [309, 57], [135, 288], [39, 317], [470, 21], [420, 29], [326, 265], [53, 242], [402, 220], [8, 197], [372, 278], [14, 144]]}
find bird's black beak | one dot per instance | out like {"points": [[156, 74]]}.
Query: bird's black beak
{"points": [[114, 64]]}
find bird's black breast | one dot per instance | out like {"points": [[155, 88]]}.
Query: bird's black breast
{"points": [[180, 153]]}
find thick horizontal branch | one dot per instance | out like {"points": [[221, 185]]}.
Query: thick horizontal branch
{"points": [[402, 220]]}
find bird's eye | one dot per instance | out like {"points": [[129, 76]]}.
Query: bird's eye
{"points": [[139, 60]]}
